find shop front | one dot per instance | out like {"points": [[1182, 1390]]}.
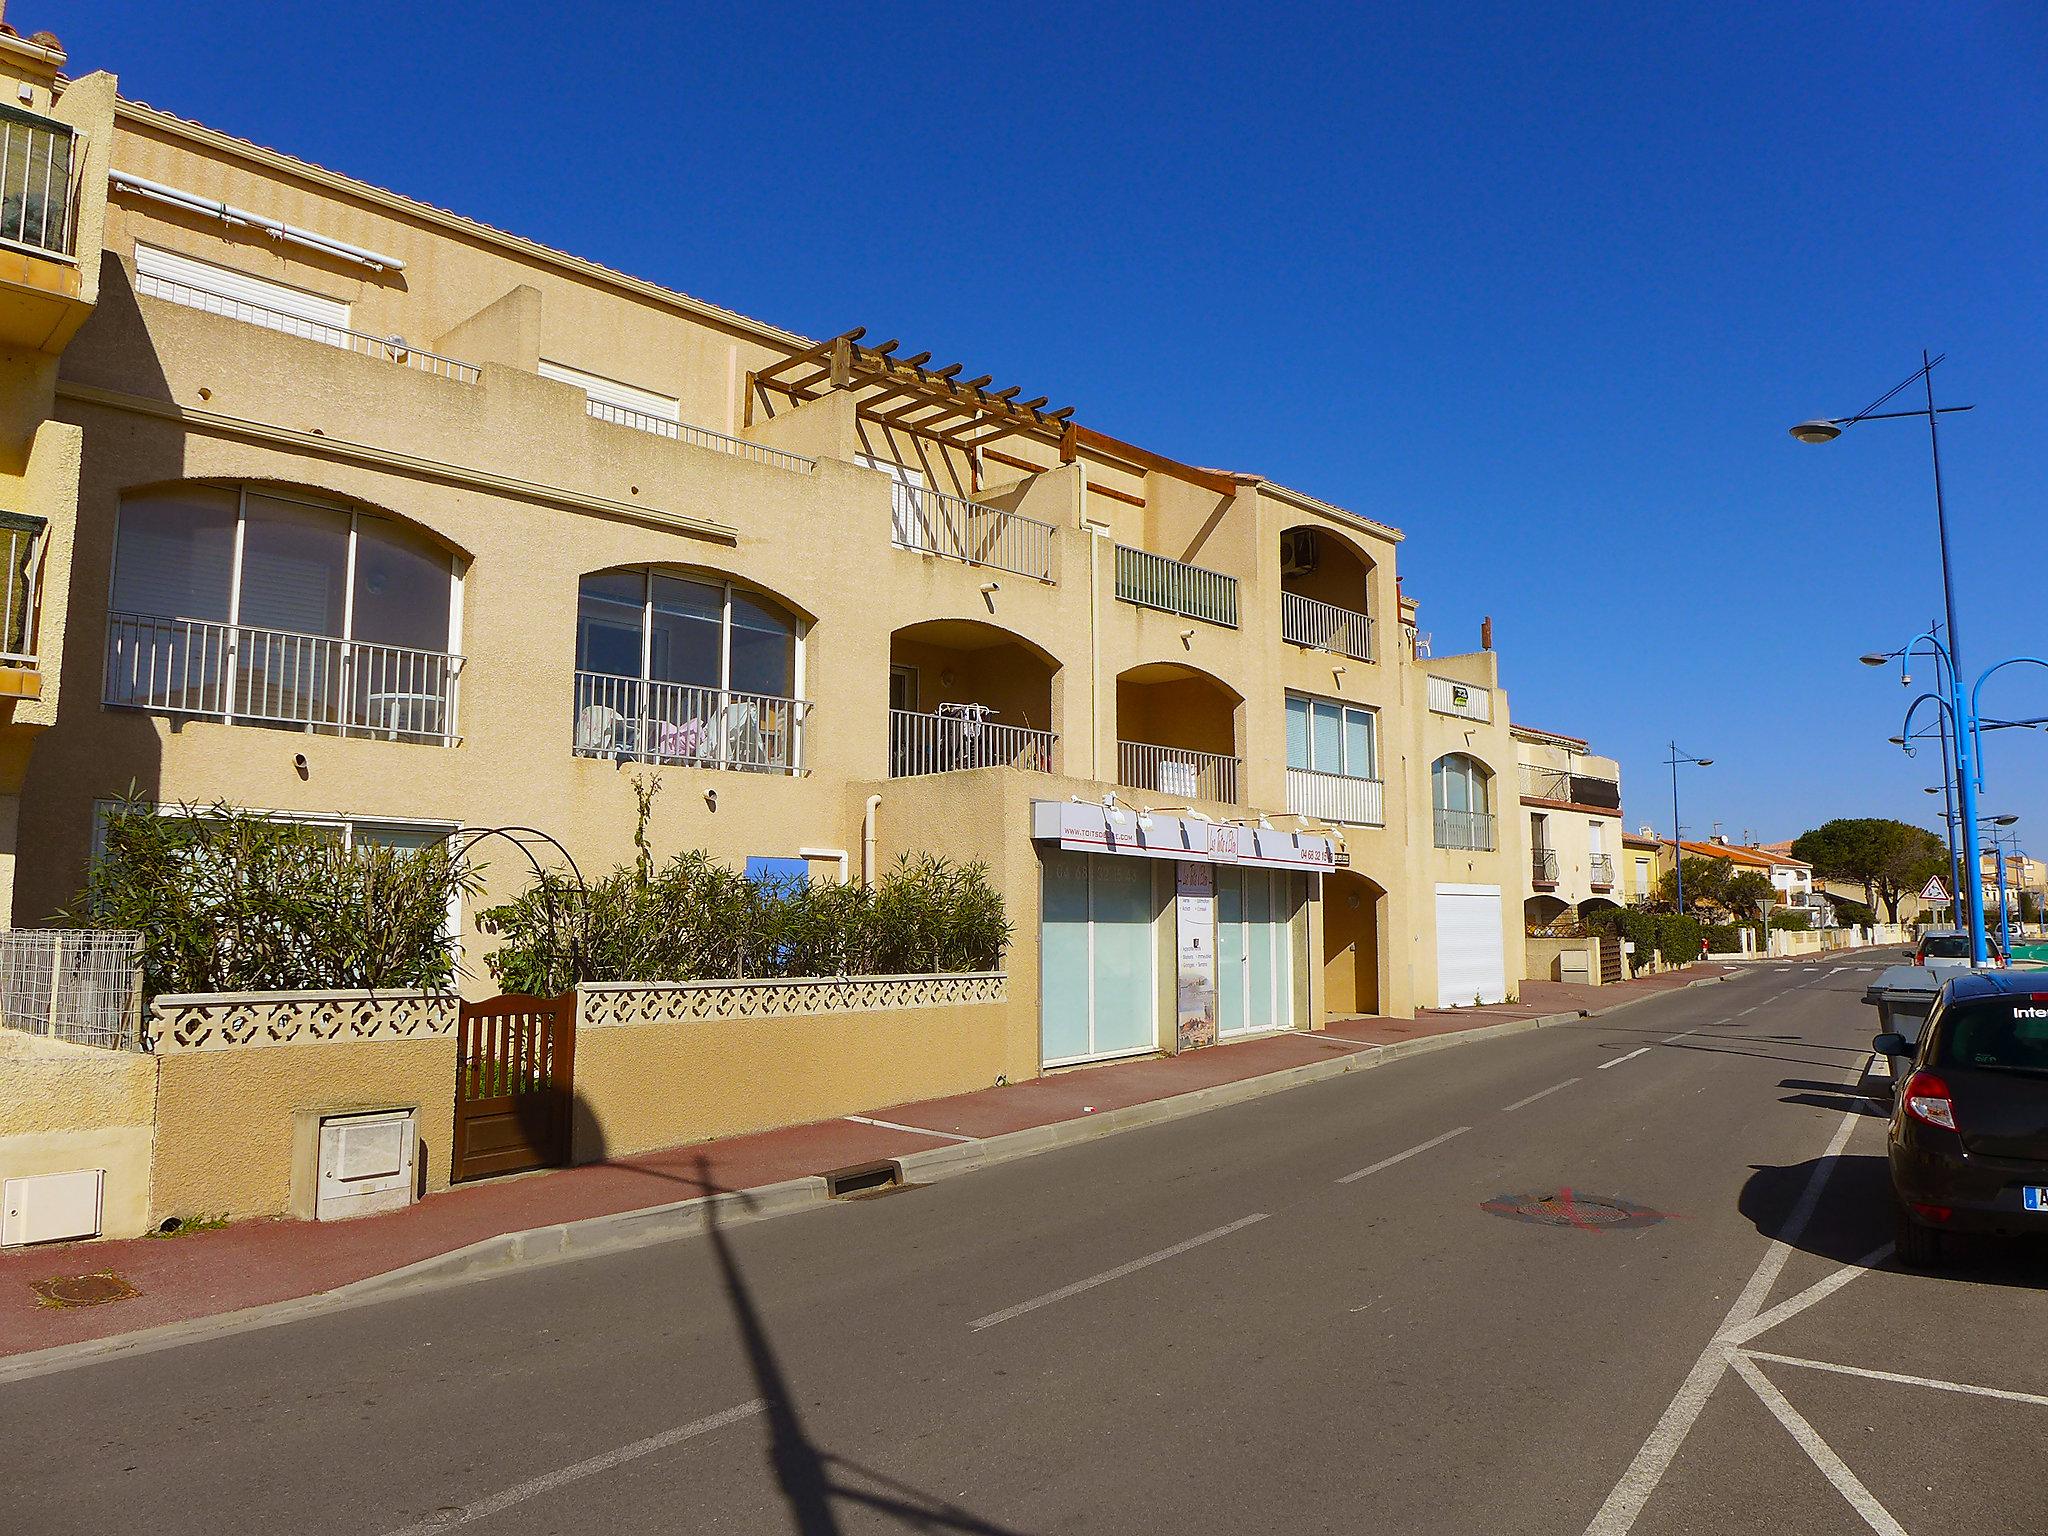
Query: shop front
{"points": [[1164, 933]]}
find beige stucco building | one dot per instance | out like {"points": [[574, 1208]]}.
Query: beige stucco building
{"points": [[1571, 808], [363, 512]]}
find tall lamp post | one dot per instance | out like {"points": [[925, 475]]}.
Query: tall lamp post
{"points": [[1826, 430], [1677, 841]]}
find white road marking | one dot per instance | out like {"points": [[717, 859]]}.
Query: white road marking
{"points": [[533, 1487], [1617, 1061], [915, 1130], [1109, 1274], [1402, 1157], [1860, 1498], [1553, 1088], [1748, 1011], [1625, 1501], [1909, 1381], [1674, 1039], [1814, 1294]]}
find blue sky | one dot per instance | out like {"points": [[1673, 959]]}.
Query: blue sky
{"points": [[1542, 286]]}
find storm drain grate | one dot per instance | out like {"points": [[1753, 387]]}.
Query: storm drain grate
{"points": [[82, 1290], [1571, 1208]]}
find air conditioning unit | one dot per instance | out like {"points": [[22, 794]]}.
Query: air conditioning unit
{"points": [[1297, 552]]}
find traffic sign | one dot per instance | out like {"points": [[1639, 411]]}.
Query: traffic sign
{"points": [[1934, 890]]}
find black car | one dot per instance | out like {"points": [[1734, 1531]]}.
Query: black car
{"points": [[1969, 1129]]}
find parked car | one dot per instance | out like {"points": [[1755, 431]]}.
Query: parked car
{"points": [[1968, 1142], [1944, 950]]}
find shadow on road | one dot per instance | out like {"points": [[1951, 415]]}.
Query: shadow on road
{"points": [[812, 1480]]}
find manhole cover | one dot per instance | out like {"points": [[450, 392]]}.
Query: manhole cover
{"points": [[83, 1290], [1573, 1208]]}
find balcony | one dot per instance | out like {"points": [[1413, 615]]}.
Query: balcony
{"points": [[384, 349], [628, 719], [1562, 787], [1543, 866], [953, 528], [1336, 797], [21, 536], [1176, 771], [1469, 830], [1174, 586], [702, 437], [38, 199], [1602, 874], [243, 675], [1320, 626], [956, 740]]}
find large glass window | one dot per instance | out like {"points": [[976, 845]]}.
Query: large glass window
{"points": [[1329, 737], [1459, 783], [264, 608]]}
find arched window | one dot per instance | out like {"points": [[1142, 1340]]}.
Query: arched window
{"points": [[265, 608], [677, 669], [1461, 793]]}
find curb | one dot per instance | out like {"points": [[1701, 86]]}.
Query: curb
{"points": [[622, 1231]]}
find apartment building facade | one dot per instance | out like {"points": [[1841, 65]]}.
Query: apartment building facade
{"points": [[1571, 805], [394, 522]]}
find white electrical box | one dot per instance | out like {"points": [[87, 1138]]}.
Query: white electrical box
{"points": [[366, 1163], [50, 1207]]}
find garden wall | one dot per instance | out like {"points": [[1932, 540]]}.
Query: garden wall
{"points": [[234, 1067], [661, 1064], [64, 1107]]}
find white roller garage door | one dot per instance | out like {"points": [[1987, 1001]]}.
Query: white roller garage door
{"points": [[1471, 959]]}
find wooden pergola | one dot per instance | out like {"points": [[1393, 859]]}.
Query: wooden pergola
{"points": [[903, 394]]}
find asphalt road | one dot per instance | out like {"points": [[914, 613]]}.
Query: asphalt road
{"points": [[1296, 1314]]}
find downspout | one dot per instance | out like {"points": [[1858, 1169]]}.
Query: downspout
{"points": [[1094, 634], [867, 840]]}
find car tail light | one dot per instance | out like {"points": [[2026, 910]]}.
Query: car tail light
{"points": [[1928, 1102], [1935, 1213], [1918, 958]]}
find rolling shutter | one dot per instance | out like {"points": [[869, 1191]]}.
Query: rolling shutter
{"points": [[224, 291], [1471, 960]]}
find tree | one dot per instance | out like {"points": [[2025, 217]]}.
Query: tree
{"points": [[1888, 858]]}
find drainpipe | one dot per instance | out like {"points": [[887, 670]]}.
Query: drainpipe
{"points": [[867, 841], [1094, 635]]}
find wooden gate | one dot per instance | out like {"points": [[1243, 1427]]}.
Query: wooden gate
{"points": [[1610, 959], [514, 1072]]}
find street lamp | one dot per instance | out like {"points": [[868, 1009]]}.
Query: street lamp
{"points": [[1826, 430], [1677, 843]]}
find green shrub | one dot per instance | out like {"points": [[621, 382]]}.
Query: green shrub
{"points": [[1792, 922], [694, 919], [229, 900]]}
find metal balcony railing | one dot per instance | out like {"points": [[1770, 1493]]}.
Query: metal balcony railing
{"points": [[703, 437], [386, 349], [1174, 771], [1566, 787], [1543, 865], [244, 675], [1465, 829], [1325, 627], [1601, 876], [1336, 797], [954, 528], [37, 187], [21, 537], [1153, 581], [631, 719], [949, 741]]}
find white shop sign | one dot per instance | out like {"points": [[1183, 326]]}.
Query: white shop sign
{"points": [[1088, 828]]}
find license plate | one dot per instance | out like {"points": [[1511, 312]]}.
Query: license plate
{"points": [[2035, 1197]]}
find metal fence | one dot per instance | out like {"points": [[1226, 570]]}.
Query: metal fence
{"points": [[1601, 876], [950, 742], [631, 719], [1543, 866], [1465, 829], [388, 349], [239, 673], [703, 437], [954, 528], [1174, 771], [21, 537], [1325, 627], [80, 985], [36, 193], [1154, 581]]}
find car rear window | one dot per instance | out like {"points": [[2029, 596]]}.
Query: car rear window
{"points": [[1999, 1034], [1946, 946]]}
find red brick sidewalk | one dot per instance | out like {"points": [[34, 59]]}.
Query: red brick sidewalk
{"points": [[202, 1274]]}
